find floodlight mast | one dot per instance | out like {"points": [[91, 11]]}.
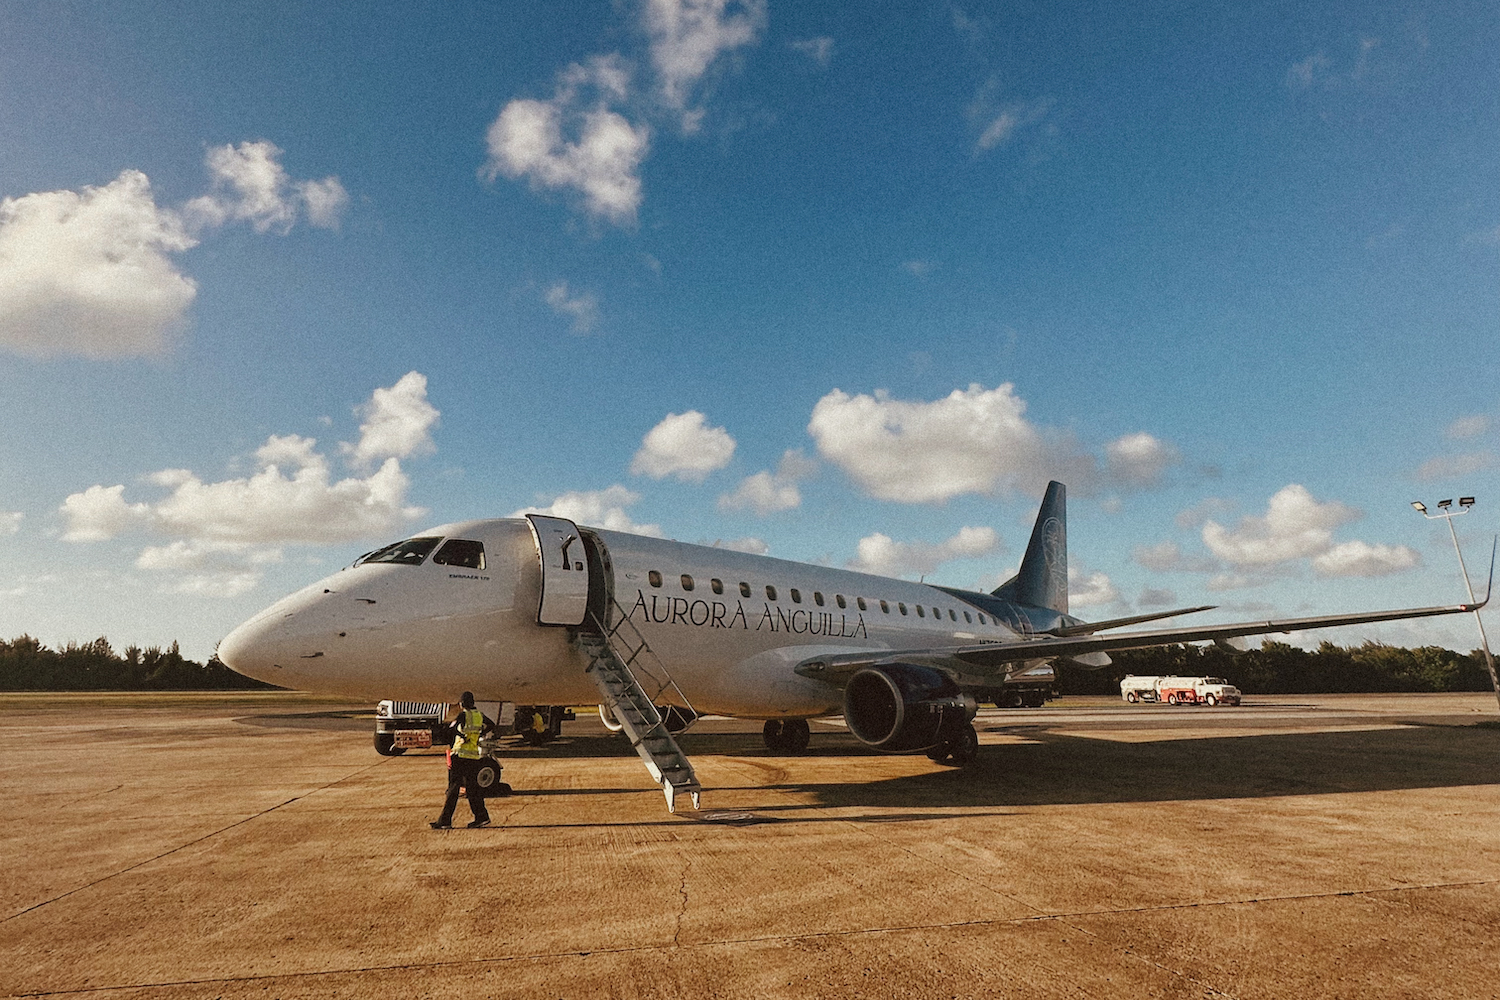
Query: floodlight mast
{"points": [[1464, 505]]}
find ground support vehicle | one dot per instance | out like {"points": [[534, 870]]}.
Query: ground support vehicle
{"points": [[1208, 691], [407, 725]]}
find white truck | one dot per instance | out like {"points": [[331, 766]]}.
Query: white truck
{"points": [[1174, 690]]}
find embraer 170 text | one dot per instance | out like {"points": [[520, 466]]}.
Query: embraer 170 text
{"points": [[539, 610]]}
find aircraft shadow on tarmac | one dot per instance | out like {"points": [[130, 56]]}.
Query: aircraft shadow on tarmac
{"points": [[1054, 768]]}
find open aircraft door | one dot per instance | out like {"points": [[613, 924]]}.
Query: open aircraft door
{"points": [[565, 570]]}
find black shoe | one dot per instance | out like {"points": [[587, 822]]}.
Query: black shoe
{"points": [[438, 824], [479, 824]]}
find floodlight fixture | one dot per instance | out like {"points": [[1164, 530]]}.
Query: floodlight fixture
{"points": [[1466, 501], [1421, 507], [1445, 504]]}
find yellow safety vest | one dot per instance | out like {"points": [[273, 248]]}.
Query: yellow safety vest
{"points": [[466, 742]]}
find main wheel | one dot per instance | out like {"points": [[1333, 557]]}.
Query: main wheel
{"points": [[771, 733], [795, 734], [385, 745], [965, 746]]}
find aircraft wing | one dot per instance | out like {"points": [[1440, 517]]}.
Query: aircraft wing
{"points": [[990, 657]]}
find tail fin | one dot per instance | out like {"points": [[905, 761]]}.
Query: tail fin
{"points": [[1042, 581]]}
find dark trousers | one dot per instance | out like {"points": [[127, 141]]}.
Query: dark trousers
{"points": [[464, 773]]}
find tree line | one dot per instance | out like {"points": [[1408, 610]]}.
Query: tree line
{"points": [[27, 665], [1279, 668]]}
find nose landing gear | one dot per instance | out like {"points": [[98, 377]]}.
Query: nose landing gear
{"points": [[786, 735]]}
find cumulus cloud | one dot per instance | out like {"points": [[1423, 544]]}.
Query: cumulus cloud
{"points": [[754, 546], [597, 508], [1194, 516], [1138, 461], [973, 441], [1090, 590], [688, 35], [1153, 597], [575, 141], [10, 522], [1302, 75], [682, 445], [250, 185], [819, 50], [1455, 466], [880, 554], [221, 534], [1363, 559], [398, 423], [89, 273], [1467, 427], [767, 492], [1295, 526], [582, 308]]}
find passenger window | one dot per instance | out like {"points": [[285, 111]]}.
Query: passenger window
{"points": [[461, 552], [687, 582], [408, 553], [920, 612], [744, 589], [654, 577], [860, 602], [968, 618], [901, 605], [770, 592], [981, 619], [716, 585], [796, 596], [839, 600], [953, 617], [885, 608], [818, 598]]}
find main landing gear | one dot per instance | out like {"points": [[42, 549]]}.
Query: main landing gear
{"points": [[959, 747], [786, 735]]}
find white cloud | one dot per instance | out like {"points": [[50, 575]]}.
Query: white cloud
{"points": [[973, 441], [750, 544], [206, 568], [1363, 559], [1092, 590], [882, 555], [1302, 75], [582, 308], [1295, 526], [571, 142], [767, 492], [1455, 466], [10, 522], [683, 446], [918, 268], [999, 125], [250, 185], [688, 35], [89, 273], [100, 513], [398, 423], [1196, 515], [819, 50], [1152, 597], [1467, 427], [1138, 461], [597, 508]]}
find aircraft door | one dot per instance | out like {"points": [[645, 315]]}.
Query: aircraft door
{"points": [[565, 570]]}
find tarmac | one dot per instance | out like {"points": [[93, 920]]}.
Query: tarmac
{"points": [[255, 845]]}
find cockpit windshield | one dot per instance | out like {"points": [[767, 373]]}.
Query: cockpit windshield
{"points": [[410, 552]]}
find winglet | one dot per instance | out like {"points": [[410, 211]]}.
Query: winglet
{"points": [[1490, 583]]}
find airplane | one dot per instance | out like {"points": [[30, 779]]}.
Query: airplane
{"points": [[539, 610]]}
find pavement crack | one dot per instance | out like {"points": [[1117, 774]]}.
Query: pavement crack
{"points": [[687, 866], [184, 846]]}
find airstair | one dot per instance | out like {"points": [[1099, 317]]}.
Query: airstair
{"points": [[632, 681]]}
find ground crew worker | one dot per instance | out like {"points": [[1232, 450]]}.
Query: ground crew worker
{"points": [[463, 763]]}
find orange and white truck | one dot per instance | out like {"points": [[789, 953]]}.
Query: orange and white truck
{"points": [[1175, 690]]}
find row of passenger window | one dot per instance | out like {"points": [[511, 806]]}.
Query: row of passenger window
{"points": [[717, 586]]}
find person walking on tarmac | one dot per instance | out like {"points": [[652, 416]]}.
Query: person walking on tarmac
{"points": [[463, 764]]}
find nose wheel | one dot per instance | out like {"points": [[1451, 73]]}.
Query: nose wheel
{"points": [[786, 735], [960, 748]]}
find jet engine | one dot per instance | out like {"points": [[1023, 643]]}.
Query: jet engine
{"points": [[901, 707]]}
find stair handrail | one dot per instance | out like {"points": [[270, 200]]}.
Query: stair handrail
{"points": [[634, 655]]}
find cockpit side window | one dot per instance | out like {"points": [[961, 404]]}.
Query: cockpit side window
{"points": [[411, 552], [461, 552]]}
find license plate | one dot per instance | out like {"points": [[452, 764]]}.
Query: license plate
{"points": [[413, 739]]}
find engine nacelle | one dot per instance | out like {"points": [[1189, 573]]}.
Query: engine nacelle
{"points": [[901, 707]]}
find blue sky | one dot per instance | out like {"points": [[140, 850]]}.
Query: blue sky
{"points": [[279, 284]]}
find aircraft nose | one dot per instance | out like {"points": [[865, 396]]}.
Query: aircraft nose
{"points": [[252, 648]]}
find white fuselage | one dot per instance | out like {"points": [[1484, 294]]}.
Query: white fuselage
{"points": [[730, 627]]}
